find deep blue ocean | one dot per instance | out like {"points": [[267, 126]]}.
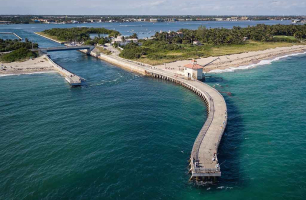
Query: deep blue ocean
{"points": [[125, 136]]}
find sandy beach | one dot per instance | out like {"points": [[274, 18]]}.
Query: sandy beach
{"points": [[236, 60], [40, 64]]}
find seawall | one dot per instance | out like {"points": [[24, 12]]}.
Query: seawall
{"points": [[49, 38], [122, 63]]}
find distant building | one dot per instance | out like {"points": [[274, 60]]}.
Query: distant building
{"points": [[193, 71], [122, 41], [94, 20], [296, 21], [155, 20], [171, 19], [50, 21], [5, 22], [244, 18], [196, 42], [119, 39], [39, 20], [134, 40], [181, 34], [150, 38], [219, 19]]}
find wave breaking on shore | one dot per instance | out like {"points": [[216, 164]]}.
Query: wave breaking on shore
{"points": [[28, 73], [262, 62]]}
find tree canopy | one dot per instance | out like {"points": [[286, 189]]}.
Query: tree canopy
{"points": [[236, 35], [79, 34], [18, 55], [10, 45]]}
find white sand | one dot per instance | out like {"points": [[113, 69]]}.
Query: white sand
{"points": [[40, 64], [235, 60]]}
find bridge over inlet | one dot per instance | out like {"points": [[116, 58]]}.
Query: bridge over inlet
{"points": [[11, 33], [65, 48]]}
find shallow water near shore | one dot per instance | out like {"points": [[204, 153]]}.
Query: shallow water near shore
{"points": [[125, 136], [260, 63]]}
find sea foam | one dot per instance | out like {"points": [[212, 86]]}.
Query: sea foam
{"points": [[2, 75]]}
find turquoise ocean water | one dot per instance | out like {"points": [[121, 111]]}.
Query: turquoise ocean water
{"points": [[125, 136]]}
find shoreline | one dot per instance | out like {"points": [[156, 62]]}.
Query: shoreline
{"points": [[57, 41], [229, 63], [31, 66], [42, 64], [16, 74], [251, 65]]}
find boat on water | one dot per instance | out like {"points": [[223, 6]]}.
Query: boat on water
{"points": [[296, 21]]}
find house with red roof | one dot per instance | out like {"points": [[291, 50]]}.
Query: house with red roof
{"points": [[193, 70]]}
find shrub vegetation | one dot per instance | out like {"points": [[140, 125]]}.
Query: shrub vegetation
{"points": [[18, 55]]}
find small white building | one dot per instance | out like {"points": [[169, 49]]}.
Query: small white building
{"points": [[193, 71], [135, 40], [122, 41], [196, 43], [119, 39]]}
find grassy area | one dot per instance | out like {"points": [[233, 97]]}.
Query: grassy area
{"points": [[284, 36], [250, 46], [50, 36], [192, 52], [102, 50]]}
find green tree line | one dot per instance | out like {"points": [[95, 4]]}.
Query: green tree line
{"points": [[18, 55], [10, 45], [236, 35], [79, 34]]}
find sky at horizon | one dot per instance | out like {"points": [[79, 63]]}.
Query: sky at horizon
{"points": [[157, 7]]}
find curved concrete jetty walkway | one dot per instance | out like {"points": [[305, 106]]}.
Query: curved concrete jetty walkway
{"points": [[204, 166]]}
